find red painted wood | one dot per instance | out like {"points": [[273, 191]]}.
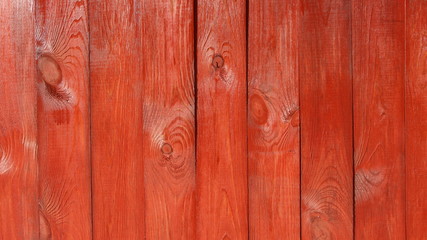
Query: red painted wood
{"points": [[169, 121], [116, 120], [173, 123], [378, 75], [18, 127], [221, 120], [326, 120], [416, 119], [273, 130], [63, 119]]}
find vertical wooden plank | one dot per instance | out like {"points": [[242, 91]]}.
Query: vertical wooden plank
{"points": [[116, 118], [416, 119], [378, 73], [18, 129], [326, 120], [63, 119], [169, 131], [273, 130], [221, 120]]}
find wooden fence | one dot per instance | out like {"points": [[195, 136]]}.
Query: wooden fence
{"points": [[213, 119]]}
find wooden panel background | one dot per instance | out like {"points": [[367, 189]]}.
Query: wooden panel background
{"points": [[221, 119]]}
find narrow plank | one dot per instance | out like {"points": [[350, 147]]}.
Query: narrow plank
{"points": [[62, 48], [326, 120], [416, 119], [221, 120], [116, 119], [19, 218], [378, 74], [169, 130], [273, 124]]}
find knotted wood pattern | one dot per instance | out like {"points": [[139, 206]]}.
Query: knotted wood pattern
{"points": [[220, 119]]}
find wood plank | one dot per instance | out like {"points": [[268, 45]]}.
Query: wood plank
{"points": [[273, 130], [19, 216], [169, 130], [326, 120], [378, 73], [221, 120], [416, 119], [116, 119], [63, 119]]}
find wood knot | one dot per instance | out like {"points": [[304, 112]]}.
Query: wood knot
{"points": [[218, 61], [258, 109], [50, 70], [166, 149]]}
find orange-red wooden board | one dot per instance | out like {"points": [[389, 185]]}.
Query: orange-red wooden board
{"points": [[326, 120], [222, 203], [273, 123], [169, 118], [416, 119], [116, 120], [62, 53], [19, 214], [378, 38]]}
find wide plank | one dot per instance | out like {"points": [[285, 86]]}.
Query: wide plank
{"points": [[62, 50], [116, 119], [326, 120], [378, 85], [221, 120], [169, 118], [416, 119], [273, 124], [19, 214]]}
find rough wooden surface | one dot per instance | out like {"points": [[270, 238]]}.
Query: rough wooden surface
{"points": [[326, 120], [166, 120], [378, 75], [18, 128], [116, 119], [62, 49], [169, 130], [221, 120], [416, 119], [273, 130]]}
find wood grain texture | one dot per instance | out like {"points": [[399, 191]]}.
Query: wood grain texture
{"points": [[221, 120], [19, 215], [62, 49], [416, 119], [378, 75], [326, 120], [169, 126], [19, 218], [117, 119], [273, 130]]}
